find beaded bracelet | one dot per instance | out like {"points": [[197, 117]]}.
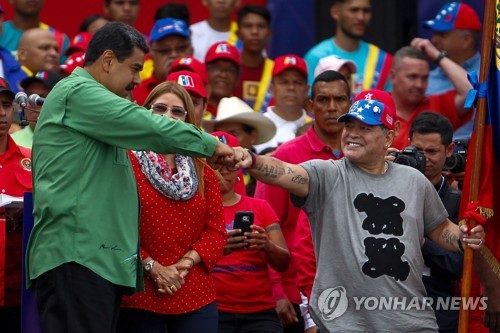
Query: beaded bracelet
{"points": [[253, 157]]}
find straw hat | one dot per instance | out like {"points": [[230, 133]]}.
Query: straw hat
{"points": [[234, 110]]}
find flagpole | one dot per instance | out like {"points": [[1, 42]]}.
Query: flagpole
{"points": [[488, 39]]}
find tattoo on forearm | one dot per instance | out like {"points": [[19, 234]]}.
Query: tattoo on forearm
{"points": [[273, 227], [450, 238], [299, 180], [272, 171]]}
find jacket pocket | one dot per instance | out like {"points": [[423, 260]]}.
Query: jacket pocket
{"points": [[121, 157]]}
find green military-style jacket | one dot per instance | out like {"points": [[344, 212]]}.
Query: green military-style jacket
{"points": [[86, 206]]}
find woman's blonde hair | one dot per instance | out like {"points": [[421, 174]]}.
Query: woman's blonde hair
{"points": [[176, 89]]}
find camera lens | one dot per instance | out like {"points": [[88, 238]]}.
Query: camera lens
{"points": [[411, 157], [455, 163], [405, 160]]}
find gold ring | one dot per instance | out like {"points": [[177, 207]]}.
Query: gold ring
{"points": [[480, 242], [172, 287]]}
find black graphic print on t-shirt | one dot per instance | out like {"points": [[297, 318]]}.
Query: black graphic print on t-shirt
{"points": [[384, 254]]}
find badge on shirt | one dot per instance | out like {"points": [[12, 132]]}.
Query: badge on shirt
{"points": [[26, 164]]}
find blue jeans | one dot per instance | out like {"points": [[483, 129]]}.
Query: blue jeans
{"points": [[257, 322], [140, 321]]}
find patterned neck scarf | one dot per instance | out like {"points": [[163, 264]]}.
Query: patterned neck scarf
{"points": [[180, 186]]}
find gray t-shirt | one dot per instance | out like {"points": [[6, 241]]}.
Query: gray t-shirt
{"points": [[366, 231]]}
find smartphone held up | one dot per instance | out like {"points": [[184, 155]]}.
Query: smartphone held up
{"points": [[243, 220]]}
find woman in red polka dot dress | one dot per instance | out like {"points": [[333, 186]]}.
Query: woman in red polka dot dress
{"points": [[182, 233], [244, 294]]}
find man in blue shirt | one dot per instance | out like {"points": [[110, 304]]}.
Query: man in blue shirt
{"points": [[373, 64], [456, 33]]}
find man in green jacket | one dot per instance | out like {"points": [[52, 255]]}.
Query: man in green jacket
{"points": [[83, 250]]}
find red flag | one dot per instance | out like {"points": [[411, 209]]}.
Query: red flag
{"points": [[480, 195]]}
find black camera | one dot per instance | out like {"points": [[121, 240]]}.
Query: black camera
{"points": [[456, 162], [412, 157]]}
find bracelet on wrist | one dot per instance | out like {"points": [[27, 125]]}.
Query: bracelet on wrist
{"points": [[190, 259], [253, 156]]}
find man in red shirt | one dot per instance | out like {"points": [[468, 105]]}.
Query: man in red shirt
{"points": [[223, 72], [409, 75], [254, 31], [15, 179], [169, 40], [330, 99]]}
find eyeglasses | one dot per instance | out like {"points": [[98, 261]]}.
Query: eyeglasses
{"points": [[175, 111], [181, 49]]}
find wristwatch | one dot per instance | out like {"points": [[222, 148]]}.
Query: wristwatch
{"points": [[442, 54], [149, 266]]}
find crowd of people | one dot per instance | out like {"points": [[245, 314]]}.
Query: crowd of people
{"points": [[184, 181]]}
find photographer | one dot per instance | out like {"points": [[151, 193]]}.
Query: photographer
{"points": [[432, 134]]}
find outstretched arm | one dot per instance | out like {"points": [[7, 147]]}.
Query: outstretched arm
{"points": [[270, 170]]}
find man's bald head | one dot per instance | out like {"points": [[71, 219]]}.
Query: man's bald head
{"points": [[38, 50]]}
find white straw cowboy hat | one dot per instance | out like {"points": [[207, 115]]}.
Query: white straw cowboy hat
{"points": [[233, 109]]}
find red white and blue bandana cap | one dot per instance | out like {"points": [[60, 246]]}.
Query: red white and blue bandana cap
{"points": [[372, 107]]}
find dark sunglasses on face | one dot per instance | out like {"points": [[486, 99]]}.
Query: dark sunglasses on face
{"points": [[162, 109]]}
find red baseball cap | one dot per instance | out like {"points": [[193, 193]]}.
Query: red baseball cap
{"points": [[455, 15], [372, 107], [223, 50], [79, 43], [289, 61], [190, 81], [190, 64], [75, 60]]}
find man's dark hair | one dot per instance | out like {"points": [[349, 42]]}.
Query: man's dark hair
{"points": [[118, 37], [89, 20], [430, 122], [330, 76], [174, 10], [254, 9]]}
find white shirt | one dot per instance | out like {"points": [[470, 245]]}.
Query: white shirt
{"points": [[203, 36], [285, 129]]}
